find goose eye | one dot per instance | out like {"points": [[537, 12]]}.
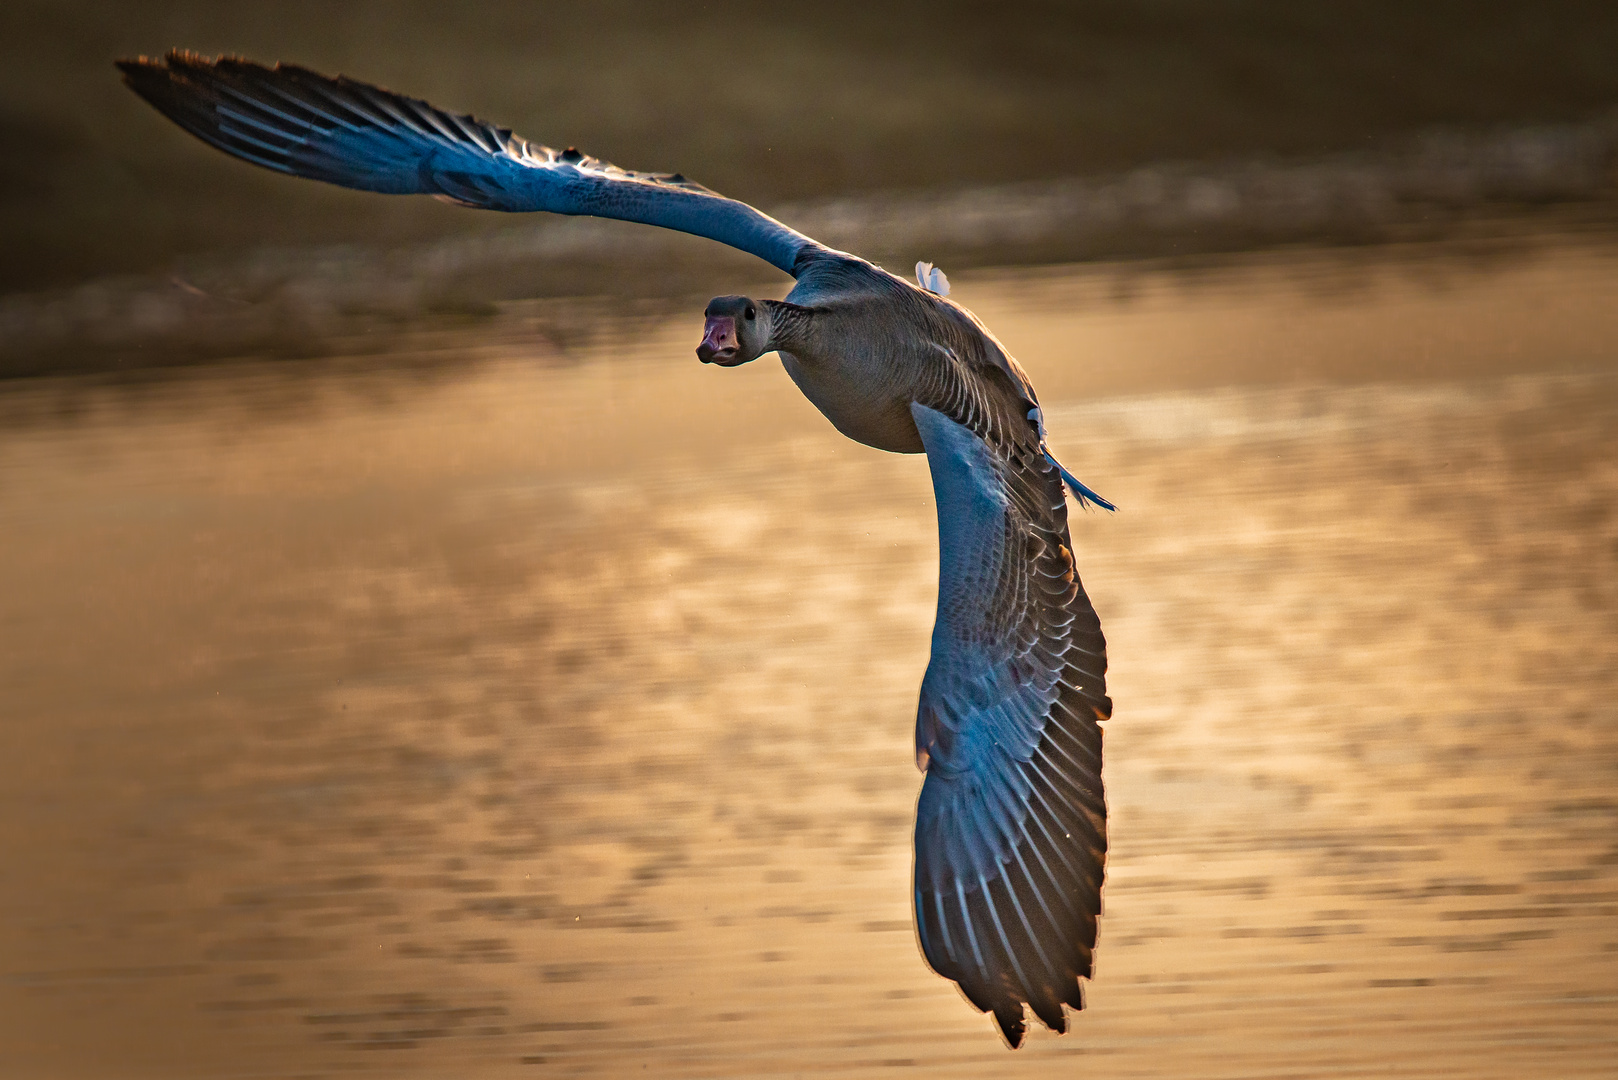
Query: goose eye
{"points": [[749, 311]]}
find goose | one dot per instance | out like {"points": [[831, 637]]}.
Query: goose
{"points": [[1011, 821]]}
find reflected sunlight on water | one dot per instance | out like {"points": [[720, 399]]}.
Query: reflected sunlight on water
{"points": [[555, 719]]}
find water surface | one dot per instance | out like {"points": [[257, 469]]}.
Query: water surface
{"points": [[550, 714]]}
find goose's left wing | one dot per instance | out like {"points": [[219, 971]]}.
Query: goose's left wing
{"points": [[1011, 833], [349, 133]]}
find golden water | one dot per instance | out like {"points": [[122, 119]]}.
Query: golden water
{"points": [[550, 716]]}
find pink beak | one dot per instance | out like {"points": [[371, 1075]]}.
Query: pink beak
{"points": [[719, 344]]}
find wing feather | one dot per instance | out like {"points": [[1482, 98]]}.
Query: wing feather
{"points": [[1011, 823], [355, 135]]}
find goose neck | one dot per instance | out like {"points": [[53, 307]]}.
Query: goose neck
{"points": [[790, 326]]}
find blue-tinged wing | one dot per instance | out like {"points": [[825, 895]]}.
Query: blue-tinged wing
{"points": [[344, 132], [1011, 833]]}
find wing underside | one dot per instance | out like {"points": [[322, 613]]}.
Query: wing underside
{"points": [[355, 135], [1011, 824]]}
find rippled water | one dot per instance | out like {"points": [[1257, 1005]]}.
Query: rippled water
{"points": [[552, 716]]}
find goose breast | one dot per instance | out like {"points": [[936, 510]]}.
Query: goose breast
{"points": [[872, 409], [865, 354]]}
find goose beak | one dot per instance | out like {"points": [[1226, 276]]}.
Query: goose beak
{"points": [[719, 344]]}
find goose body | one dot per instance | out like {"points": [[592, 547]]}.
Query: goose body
{"points": [[1011, 821], [852, 358]]}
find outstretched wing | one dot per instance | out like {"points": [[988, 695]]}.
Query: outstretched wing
{"points": [[1011, 832], [300, 122]]}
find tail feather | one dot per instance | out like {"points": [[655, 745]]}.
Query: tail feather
{"points": [[1080, 491]]}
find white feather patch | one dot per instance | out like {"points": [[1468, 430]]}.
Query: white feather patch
{"points": [[932, 278]]}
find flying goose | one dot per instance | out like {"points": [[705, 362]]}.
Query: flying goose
{"points": [[1011, 832]]}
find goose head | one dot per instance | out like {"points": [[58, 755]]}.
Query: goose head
{"points": [[737, 331]]}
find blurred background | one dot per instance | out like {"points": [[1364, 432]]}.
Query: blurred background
{"points": [[412, 662]]}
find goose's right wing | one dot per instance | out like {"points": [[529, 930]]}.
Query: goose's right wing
{"points": [[1011, 827], [344, 132]]}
